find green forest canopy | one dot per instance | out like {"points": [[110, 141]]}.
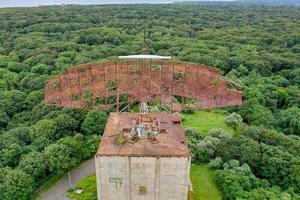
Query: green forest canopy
{"points": [[256, 47]]}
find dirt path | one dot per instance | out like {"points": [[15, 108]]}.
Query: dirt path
{"points": [[58, 191]]}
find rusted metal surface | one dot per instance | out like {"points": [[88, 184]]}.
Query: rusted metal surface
{"points": [[172, 143], [119, 83]]}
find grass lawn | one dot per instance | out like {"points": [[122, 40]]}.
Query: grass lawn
{"points": [[89, 187], [204, 121], [204, 187]]}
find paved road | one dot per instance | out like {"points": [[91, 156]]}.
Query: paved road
{"points": [[58, 191]]}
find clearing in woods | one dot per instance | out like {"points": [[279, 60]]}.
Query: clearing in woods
{"points": [[205, 121]]}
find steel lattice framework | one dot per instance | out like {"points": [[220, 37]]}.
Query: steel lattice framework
{"points": [[117, 84]]}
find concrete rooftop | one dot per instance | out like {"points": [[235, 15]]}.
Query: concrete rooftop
{"points": [[171, 144]]}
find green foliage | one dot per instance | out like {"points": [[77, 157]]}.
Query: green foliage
{"points": [[275, 163], [64, 154], [7, 139], [234, 120], [89, 187], [11, 155], [65, 125], [193, 139], [94, 122], [256, 114], [89, 145], [15, 184], [35, 164], [45, 127], [205, 121], [260, 55], [34, 98], [289, 120], [215, 163], [4, 119], [12, 101], [206, 148], [204, 186]]}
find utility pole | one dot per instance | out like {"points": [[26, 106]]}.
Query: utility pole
{"points": [[70, 180]]}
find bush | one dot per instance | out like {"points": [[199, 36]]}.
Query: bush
{"points": [[94, 123], [193, 139], [234, 120], [215, 163], [218, 133]]}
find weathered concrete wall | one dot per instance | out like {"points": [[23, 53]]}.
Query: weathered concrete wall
{"points": [[142, 178]]}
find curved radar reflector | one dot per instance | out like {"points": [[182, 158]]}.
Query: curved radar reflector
{"points": [[172, 85], [145, 57]]}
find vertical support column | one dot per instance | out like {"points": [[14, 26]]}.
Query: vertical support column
{"points": [[98, 177], [128, 88], [61, 91], [104, 72], [118, 88], [172, 84], [157, 178], [129, 179], [184, 85], [187, 179], [80, 89], [140, 74], [160, 83], [93, 88], [197, 86]]}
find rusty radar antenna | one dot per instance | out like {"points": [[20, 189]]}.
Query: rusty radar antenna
{"points": [[145, 79], [117, 85]]}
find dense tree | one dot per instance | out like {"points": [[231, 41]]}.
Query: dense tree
{"points": [[47, 128], [193, 138], [11, 155], [94, 122], [12, 101], [234, 120], [34, 163], [289, 120], [15, 184], [64, 154], [65, 125], [256, 114]]}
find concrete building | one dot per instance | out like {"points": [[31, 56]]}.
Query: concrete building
{"points": [[143, 169]]}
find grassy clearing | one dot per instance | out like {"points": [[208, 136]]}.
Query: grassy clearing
{"points": [[204, 121], [89, 187], [204, 187]]}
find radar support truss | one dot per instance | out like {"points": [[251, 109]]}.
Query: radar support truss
{"points": [[117, 84]]}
